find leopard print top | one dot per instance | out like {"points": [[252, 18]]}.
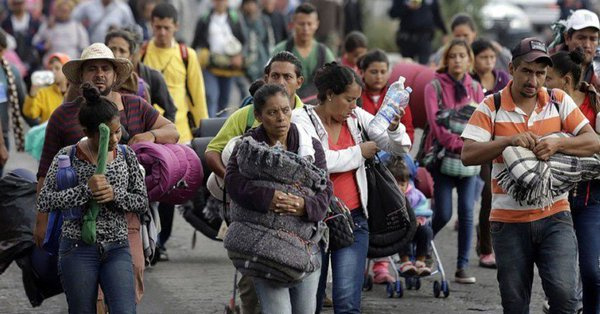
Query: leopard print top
{"points": [[129, 189]]}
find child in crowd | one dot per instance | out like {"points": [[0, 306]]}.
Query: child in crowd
{"points": [[484, 68], [375, 71], [423, 235], [42, 101], [355, 46]]}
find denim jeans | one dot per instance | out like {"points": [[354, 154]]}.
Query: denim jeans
{"points": [[548, 243], [586, 219], [82, 267], [348, 266], [217, 90], [300, 298], [442, 212]]}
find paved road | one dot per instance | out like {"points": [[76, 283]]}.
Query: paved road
{"points": [[200, 280]]}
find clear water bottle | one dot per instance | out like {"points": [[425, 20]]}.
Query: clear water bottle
{"points": [[396, 97]]}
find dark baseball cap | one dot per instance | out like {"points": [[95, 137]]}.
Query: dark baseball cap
{"points": [[531, 49]]}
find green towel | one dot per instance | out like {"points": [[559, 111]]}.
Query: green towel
{"points": [[88, 229]]}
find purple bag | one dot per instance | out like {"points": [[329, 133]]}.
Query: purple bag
{"points": [[163, 168], [192, 178]]}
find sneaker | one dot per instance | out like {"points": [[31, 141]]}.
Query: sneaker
{"points": [[461, 276], [408, 269], [422, 269], [487, 260]]}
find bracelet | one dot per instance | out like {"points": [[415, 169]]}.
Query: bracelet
{"points": [[153, 134]]}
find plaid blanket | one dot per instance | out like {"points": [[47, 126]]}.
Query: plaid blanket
{"points": [[535, 182]]}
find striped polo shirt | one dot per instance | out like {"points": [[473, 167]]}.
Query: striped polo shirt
{"points": [[486, 123], [64, 129]]}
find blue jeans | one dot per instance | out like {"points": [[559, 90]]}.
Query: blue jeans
{"points": [[586, 219], [442, 212], [348, 266], [548, 243], [298, 299], [82, 267], [217, 90]]}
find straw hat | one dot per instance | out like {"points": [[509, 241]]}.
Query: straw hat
{"points": [[98, 51]]}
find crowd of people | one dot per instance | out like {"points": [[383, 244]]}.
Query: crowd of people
{"points": [[100, 75]]}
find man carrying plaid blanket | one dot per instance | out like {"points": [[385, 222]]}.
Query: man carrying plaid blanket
{"points": [[525, 234], [537, 182]]}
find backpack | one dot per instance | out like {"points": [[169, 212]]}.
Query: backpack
{"points": [[308, 95], [426, 158], [185, 58]]}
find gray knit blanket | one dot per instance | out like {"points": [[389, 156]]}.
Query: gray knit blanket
{"points": [[531, 181], [282, 248]]}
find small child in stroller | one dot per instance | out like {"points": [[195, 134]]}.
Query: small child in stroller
{"points": [[423, 235]]}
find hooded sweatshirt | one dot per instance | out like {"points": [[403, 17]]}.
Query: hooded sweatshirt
{"points": [[450, 141]]}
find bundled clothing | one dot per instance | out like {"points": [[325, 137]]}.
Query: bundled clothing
{"points": [[535, 182], [262, 243]]}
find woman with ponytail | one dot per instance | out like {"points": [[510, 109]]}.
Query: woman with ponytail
{"points": [[340, 126], [584, 199], [107, 261]]}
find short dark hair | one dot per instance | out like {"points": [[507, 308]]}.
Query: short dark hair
{"points": [[164, 10], [376, 55], [285, 56], [95, 109], [463, 19], [263, 94], [130, 37], [335, 78], [355, 40], [398, 168], [480, 45], [306, 8]]}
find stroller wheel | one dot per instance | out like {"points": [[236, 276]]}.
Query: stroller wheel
{"points": [[445, 288], [417, 283], [368, 283], [389, 289], [436, 289], [399, 292]]}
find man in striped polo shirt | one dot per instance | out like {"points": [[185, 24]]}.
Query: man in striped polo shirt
{"points": [[524, 235]]}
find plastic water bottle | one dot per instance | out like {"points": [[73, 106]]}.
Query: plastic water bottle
{"points": [[66, 178], [396, 97]]}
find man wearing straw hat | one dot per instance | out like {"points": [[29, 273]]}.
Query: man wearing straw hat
{"points": [[140, 122]]}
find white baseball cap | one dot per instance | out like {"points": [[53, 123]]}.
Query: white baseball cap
{"points": [[581, 19]]}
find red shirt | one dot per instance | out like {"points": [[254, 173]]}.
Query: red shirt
{"points": [[372, 107], [588, 111], [344, 183]]}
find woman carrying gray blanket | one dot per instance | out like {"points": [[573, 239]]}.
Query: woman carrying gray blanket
{"points": [[277, 181]]}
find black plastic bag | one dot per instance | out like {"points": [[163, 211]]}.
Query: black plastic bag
{"points": [[17, 209]]}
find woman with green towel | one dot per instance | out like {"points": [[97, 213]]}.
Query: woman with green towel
{"points": [[94, 249]]}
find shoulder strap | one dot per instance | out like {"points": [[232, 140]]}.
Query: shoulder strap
{"points": [[185, 57], [497, 101], [184, 54], [143, 50], [123, 150], [289, 45], [321, 55], [552, 100], [438, 91], [72, 153], [249, 120]]}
